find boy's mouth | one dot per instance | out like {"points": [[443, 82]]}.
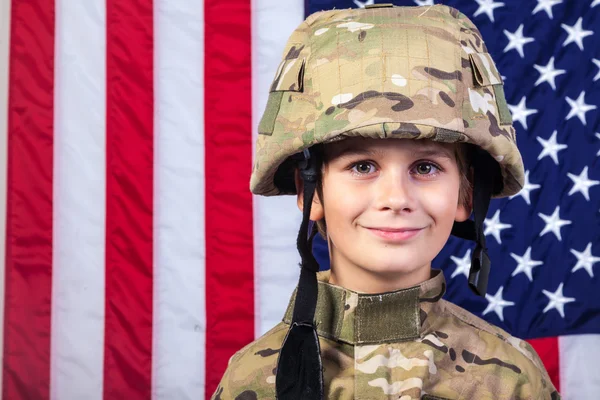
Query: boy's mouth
{"points": [[395, 234]]}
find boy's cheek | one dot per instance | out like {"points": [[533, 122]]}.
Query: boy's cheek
{"points": [[440, 198], [346, 197]]}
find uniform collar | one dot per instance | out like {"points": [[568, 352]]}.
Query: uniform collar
{"points": [[358, 318]]}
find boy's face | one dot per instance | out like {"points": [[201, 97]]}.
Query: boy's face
{"points": [[389, 206]]}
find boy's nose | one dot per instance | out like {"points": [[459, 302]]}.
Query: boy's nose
{"points": [[393, 193]]}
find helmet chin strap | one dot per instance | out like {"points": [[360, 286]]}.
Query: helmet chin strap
{"points": [[483, 187], [299, 367]]}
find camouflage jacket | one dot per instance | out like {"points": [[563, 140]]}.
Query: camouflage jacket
{"points": [[407, 344]]}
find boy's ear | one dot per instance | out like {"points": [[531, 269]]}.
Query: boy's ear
{"points": [[316, 211], [463, 213]]}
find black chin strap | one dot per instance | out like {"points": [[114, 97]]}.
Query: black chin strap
{"points": [[483, 187], [299, 367]]}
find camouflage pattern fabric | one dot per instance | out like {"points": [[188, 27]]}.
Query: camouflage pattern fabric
{"points": [[441, 351], [384, 72]]}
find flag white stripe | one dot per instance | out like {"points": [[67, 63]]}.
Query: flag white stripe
{"points": [[77, 344], [578, 358], [4, 46], [179, 240], [277, 219]]}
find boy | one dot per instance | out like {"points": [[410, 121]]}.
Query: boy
{"points": [[375, 326]]}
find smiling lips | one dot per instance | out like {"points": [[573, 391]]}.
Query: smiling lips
{"points": [[395, 234]]}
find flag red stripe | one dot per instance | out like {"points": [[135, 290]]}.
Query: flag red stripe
{"points": [[129, 199], [26, 372], [228, 161], [547, 349]]}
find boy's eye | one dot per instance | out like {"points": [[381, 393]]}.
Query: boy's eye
{"points": [[363, 168], [425, 168]]}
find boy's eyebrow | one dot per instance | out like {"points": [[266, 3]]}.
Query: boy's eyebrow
{"points": [[350, 151], [421, 152], [435, 151]]}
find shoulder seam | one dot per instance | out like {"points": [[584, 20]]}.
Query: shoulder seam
{"points": [[448, 307]]}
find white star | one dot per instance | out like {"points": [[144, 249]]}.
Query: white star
{"points": [[527, 188], [424, 2], [516, 40], [597, 62], [553, 223], [595, 3], [497, 304], [598, 153], [582, 183], [463, 265], [487, 6], [525, 264], [585, 260], [551, 147], [557, 300], [520, 112], [576, 33], [494, 226], [546, 5], [548, 73], [579, 107], [363, 4]]}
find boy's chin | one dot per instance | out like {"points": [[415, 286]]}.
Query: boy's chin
{"points": [[396, 270]]}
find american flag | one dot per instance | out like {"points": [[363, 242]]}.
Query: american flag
{"points": [[137, 261]]}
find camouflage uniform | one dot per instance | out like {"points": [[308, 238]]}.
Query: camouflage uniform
{"points": [[386, 72], [408, 344]]}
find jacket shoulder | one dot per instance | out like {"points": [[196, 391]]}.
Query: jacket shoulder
{"points": [[250, 373], [496, 346]]}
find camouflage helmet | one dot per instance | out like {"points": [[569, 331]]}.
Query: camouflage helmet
{"points": [[384, 72]]}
